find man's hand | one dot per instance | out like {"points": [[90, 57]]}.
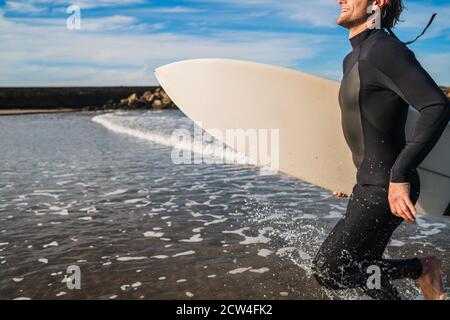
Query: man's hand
{"points": [[339, 194], [400, 202]]}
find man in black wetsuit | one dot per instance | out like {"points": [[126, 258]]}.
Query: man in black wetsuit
{"points": [[381, 79]]}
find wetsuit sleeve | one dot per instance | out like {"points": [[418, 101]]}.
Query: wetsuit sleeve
{"points": [[405, 76]]}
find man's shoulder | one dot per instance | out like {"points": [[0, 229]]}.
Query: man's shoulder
{"points": [[347, 57], [384, 49]]}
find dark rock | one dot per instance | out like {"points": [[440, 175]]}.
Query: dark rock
{"points": [[147, 96], [157, 105]]}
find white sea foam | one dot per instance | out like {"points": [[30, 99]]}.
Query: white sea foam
{"points": [[248, 239], [305, 216], [133, 201], [333, 215], [304, 255], [396, 243], [91, 209], [260, 270], [184, 253], [85, 218], [152, 234], [239, 270], [214, 150], [161, 256], [215, 221], [115, 193], [130, 258], [51, 244], [264, 252], [195, 238], [275, 216], [285, 250], [429, 228]]}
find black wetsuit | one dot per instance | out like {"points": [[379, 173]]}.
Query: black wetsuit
{"points": [[381, 79]]}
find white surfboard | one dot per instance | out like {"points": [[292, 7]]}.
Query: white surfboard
{"points": [[224, 94]]}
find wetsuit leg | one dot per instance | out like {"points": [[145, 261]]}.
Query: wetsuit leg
{"points": [[358, 242]]}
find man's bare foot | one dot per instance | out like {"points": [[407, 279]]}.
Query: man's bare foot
{"points": [[339, 194], [430, 281]]}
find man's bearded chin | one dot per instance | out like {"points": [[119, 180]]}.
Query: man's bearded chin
{"points": [[348, 23]]}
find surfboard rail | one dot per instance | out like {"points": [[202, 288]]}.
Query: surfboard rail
{"points": [[222, 94]]}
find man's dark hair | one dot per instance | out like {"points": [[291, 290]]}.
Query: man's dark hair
{"points": [[391, 13]]}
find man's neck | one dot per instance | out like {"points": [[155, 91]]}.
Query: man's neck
{"points": [[354, 31]]}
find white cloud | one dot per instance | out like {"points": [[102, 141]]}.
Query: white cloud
{"points": [[88, 4], [108, 23], [317, 13], [323, 13], [123, 50], [417, 16], [176, 9], [34, 6], [23, 7], [44, 52]]}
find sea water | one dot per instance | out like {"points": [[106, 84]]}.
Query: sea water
{"points": [[100, 191]]}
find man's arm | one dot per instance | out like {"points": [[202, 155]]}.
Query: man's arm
{"points": [[410, 81], [405, 76]]}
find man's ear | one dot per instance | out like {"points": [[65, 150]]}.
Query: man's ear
{"points": [[381, 3]]}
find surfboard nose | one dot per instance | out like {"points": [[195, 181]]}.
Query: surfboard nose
{"points": [[158, 73], [162, 72]]}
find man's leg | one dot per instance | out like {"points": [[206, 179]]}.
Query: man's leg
{"points": [[358, 241]]}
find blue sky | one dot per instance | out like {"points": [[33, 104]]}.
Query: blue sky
{"points": [[121, 42]]}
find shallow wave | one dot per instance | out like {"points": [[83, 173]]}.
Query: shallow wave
{"points": [[140, 127]]}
